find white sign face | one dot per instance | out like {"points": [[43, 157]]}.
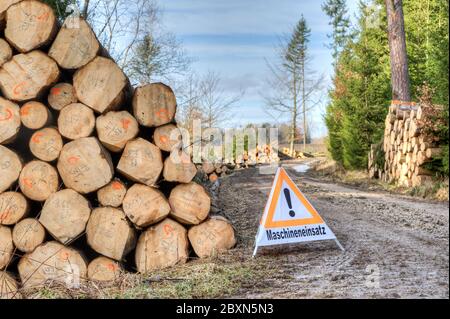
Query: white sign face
{"points": [[289, 217]]}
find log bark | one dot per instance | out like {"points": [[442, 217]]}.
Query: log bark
{"points": [[145, 205], [9, 121], [10, 168], [52, 262], [141, 162], [65, 215], [26, 76], [116, 129], [13, 208], [112, 194], [100, 84], [212, 237], [109, 233], [104, 270], [178, 167], [35, 115], [168, 137], [61, 95], [190, 203], [28, 234], [46, 144], [76, 121], [6, 52], [38, 180], [9, 288], [85, 166], [154, 104], [6, 246], [30, 25], [161, 246], [75, 45]]}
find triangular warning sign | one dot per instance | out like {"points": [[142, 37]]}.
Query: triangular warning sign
{"points": [[289, 217]]}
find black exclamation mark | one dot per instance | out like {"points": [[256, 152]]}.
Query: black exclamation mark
{"points": [[287, 194]]}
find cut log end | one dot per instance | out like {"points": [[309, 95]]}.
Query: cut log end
{"points": [[168, 137], [190, 203], [178, 167], [162, 246], [116, 129], [46, 144], [104, 270], [75, 121], [112, 194], [6, 246], [13, 207], [10, 168], [34, 115], [61, 95], [28, 234], [38, 180], [9, 288], [9, 121]]}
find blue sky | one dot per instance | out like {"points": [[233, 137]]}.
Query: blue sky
{"points": [[235, 38]]}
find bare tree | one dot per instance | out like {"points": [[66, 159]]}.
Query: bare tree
{"points": [[189, 102], [294, 88]]}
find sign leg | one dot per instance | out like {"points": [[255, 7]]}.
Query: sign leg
{"points": [[255, 251], [339, 244]]}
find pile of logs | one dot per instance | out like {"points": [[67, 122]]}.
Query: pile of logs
{"points": [[296, 154], [92, 171], [410, 143]]}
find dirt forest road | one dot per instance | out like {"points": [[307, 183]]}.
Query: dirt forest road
{"points": [[396, 246]]}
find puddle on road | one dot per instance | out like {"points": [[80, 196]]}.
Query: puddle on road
{"points": [[302, 168]]}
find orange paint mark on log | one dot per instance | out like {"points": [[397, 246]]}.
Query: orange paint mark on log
{"points": [[73, 160], [25, 110], [5, 215], [116, 185], [163, 139], [27, 182], [162, 114], [36, 137], [168, 229], [8, 116], [112, 267], [64, 255], [18, 88], [55, 91], [43, 17], [125, 123]]}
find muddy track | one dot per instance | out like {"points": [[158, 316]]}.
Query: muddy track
{"points": [[396, 246]]}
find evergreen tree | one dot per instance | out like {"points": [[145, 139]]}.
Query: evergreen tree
{"points": [[340, 22]]}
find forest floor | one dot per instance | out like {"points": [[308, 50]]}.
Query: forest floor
{"points": [[396, 246]]}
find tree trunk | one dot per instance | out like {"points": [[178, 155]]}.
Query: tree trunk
{"points": [[398, 54]]}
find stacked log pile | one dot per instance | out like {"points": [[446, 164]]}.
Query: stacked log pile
{"points": [[90, 168], [410, 144]]}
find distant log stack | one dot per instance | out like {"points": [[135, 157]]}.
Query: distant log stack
{"points": [[62, 143], [410, 145]]}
